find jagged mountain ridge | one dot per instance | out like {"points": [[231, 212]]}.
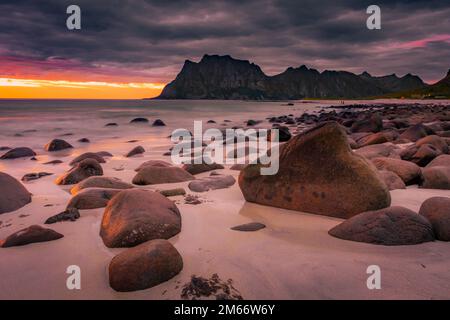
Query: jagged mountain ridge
{"points": [[223, 77]]}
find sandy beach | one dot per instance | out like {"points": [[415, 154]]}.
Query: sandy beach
{"points": [[294, 257]]}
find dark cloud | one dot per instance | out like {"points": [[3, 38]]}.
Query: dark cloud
{"points": [[151, 38]]}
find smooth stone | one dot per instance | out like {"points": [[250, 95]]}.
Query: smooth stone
{"points": [[153, 163], [92, 198], [35, 175], [16, 153], [100, 182], [249, 227], [83, 170], [57, 145], [200, 168], [70, 214], [13, 194], [388, 150], [409, 172], [137, 150], [158, 123], [144, 266], [437, 211], [391, 226], [212, 183], [87, 155], [159, 175], [32, 234], [392, 180], [436, 178], [139, 120], [173, 192]]}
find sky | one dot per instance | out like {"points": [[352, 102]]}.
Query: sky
{"points": [[129, 49]]}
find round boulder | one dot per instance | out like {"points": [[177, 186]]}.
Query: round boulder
{"points": [[13, 194], [18, 153], [144, 266], [437, 211], [30, 235], [436, 178], [391, 226], [159, 175], [57, 145], [100, 182], [136, 216], [83, 170], [87, 155], [409, 172]]}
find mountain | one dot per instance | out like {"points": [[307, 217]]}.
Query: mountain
{"points": [[223, 77], [439, 90]]}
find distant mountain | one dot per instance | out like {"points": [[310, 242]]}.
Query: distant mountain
{"points": [[439, 90], [222, 77]]}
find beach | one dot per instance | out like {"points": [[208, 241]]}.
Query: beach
{"points": [[294, 257]]}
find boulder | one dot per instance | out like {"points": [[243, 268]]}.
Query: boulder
{"points": [[438, 142], [441, 161], [212, 183], [420, 155], [200, 168], [159, 175], [436, 178], [391, 226], [409, 172], [13, 194], [137, 150], [375, 138], [173, 192], [153, 163], [135, 216], [388, 150], [104, 154], [84, 140], [92, 198], [57, 145], [87, 155], [318, 173], [416, 132], [83, 170], [32, 234], [373, 123], [16, 153], [144, 266], [100, 182], [437, 211], [392, 180], [70, 214]]}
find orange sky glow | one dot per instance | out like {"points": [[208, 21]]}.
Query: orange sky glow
{"points": [[11, 88]]}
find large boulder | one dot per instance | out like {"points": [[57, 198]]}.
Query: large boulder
{"points": [[158, 175], [18, 153], [57, 145], [318, 173], [436, 141], [83, 170], [100, 182], [136, 216], [408, 171], [32, 234], [87, 155], [92, 198], [13, 194], [390, 226], [392, 180], [437, 211], [441, 161], [212, 183], [420, 155], [144, 266], [372, 123], [436, 178]]}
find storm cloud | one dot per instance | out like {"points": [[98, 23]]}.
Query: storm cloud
{"points": [[149, 40]]}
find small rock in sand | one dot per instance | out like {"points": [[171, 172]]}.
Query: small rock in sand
{"points": [[139, 120], [111, 124], [153, 163], [248, 227], [87, 155], [104, 154], [158, 123], [34, 176], [137, 150], [192, 199], [158, 175], [200, 287], [16, 153], [82, 170], [212, 183], [84, 140], [53, 162], [392, 180], [32, 234], [71, 214], [173, 192], [144, 266], [57, 145], [409, 172]]}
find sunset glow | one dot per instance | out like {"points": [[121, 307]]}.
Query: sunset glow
{"points": [[11, 88]]}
